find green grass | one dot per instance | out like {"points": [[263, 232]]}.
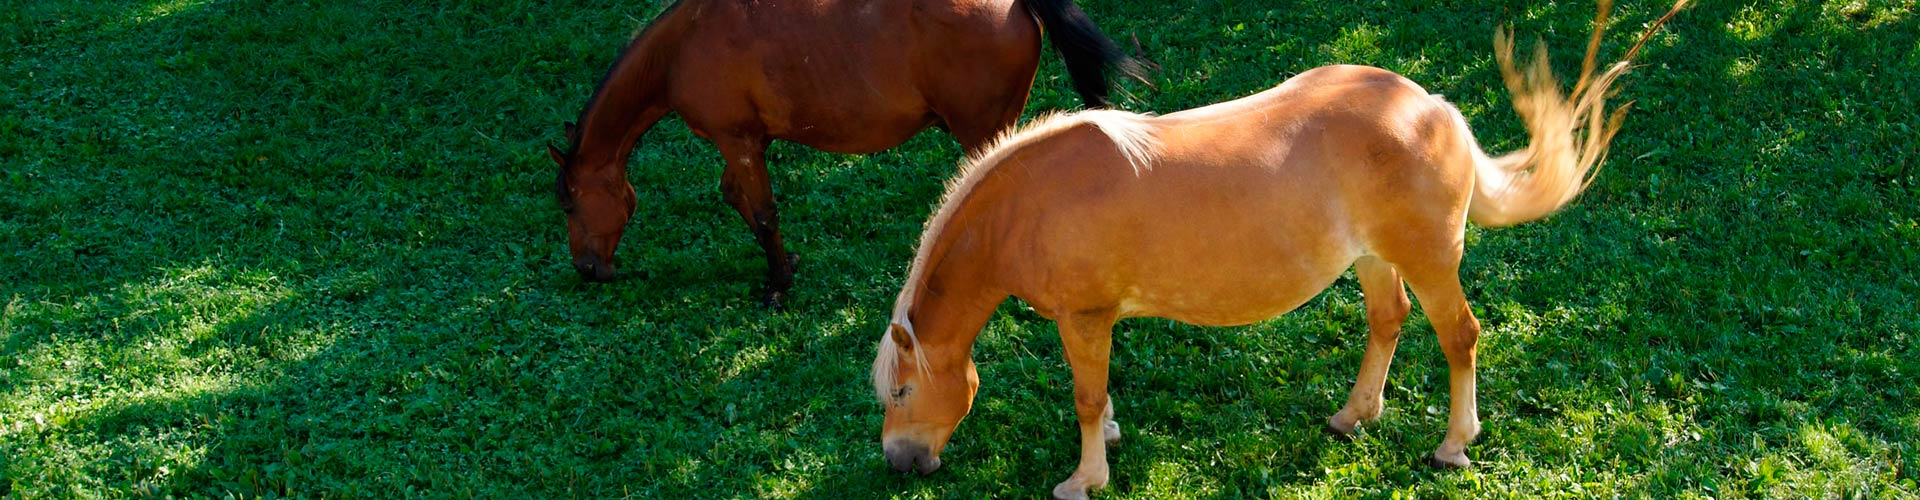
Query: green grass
{"points": [[254, 248]]}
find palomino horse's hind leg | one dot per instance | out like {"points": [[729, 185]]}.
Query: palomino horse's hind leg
{"points": [[1438, 288], [1110, 429], [1088, 342], [1387, 308], [745, 185]]}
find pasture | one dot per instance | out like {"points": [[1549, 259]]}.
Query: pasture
{"points": [[257, 248]]}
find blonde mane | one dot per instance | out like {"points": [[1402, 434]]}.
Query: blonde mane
{"points": [[1131, 133]]}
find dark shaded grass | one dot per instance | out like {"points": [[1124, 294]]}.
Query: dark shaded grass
{"points": [[283, 248]]}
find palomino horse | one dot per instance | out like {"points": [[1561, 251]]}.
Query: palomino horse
{"points": [[846, 76], [1225, 215]]}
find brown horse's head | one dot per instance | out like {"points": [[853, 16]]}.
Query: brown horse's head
{"points": [[925, 399], [598, 201]]}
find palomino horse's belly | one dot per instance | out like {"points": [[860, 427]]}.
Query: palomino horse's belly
{"points": [[1233, 251], [1228, 295]]}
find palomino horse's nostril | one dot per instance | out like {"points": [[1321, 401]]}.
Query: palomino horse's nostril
{"points": [[905, 457]]}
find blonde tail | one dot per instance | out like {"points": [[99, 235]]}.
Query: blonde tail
{"points": [[1567, 135]]}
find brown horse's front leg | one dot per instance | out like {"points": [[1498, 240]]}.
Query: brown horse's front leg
{"points": [[1088, 342], [746, 186]]}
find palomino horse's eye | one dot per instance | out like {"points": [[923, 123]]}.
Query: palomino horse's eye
{"points": [[901, 393]]}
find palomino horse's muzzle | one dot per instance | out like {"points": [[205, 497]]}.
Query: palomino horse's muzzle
{"points": [[906, 456], [592, 268]]}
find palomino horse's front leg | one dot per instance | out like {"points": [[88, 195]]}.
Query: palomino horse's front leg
{"points": [[1088, 342], [1446, 306], [745, 185], [1387, 309]]}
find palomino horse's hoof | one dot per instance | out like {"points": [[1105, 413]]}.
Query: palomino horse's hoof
{"points": [[1336, 433], [1459, 462]]}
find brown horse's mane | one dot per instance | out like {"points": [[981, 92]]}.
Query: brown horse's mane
{"points": [[599, 89], [599, 93], [1131, 133]]}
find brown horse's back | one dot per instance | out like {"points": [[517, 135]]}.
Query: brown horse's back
{"points": [[849, 76]]}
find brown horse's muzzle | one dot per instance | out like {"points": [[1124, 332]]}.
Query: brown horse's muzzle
{"points": [[593, 268], [905, 456]]}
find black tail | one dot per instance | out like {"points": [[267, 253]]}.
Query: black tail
{"points": [[1088, 53]]}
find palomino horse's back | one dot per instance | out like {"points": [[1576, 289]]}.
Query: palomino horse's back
{"points": [[1245, 209]]}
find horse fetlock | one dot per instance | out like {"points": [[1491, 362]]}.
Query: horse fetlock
{"points": [[780, 270], [1364, 410], [1110, 431]]}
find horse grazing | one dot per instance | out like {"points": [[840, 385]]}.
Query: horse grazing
{"points": [[1225, 215], [846, 76]]}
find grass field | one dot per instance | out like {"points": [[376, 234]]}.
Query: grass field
{"points": [[259, 248]]}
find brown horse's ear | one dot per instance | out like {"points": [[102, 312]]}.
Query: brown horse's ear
{"points": [[900, 337], [558, 157], [573, 133]]}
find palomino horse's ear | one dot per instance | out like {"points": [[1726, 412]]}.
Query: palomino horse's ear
{"points": [[573, 133], [558, 157], [900, 337]]}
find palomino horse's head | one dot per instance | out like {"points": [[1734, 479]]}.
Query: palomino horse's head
{"points": [[925, 399], [598, 203]]}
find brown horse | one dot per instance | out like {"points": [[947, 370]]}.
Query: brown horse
{"points": [[846, 76], [1225, 215]]}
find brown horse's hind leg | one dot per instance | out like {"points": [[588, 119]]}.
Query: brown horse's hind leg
{"points": [[980, 116], [1087, 339], [1387, 308], [745, 185], [1438, 287], [975, 131]]}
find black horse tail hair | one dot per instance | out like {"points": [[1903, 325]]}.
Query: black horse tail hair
{"points": [[1088, 53]]}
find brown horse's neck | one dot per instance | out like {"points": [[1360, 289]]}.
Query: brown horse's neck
{"points": [[630, 99]]}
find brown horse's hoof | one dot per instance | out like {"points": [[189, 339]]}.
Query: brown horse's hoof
{"points": [[775, 296], [776, 301]]}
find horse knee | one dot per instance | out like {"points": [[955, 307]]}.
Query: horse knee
{"points": [[1386, 327], [766, 217], [1092, 405], [1461, 337]]}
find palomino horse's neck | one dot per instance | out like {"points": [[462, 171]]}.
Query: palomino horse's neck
{"points": [[938, 276], [941, 318], [951, 307], [629, 100]]}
